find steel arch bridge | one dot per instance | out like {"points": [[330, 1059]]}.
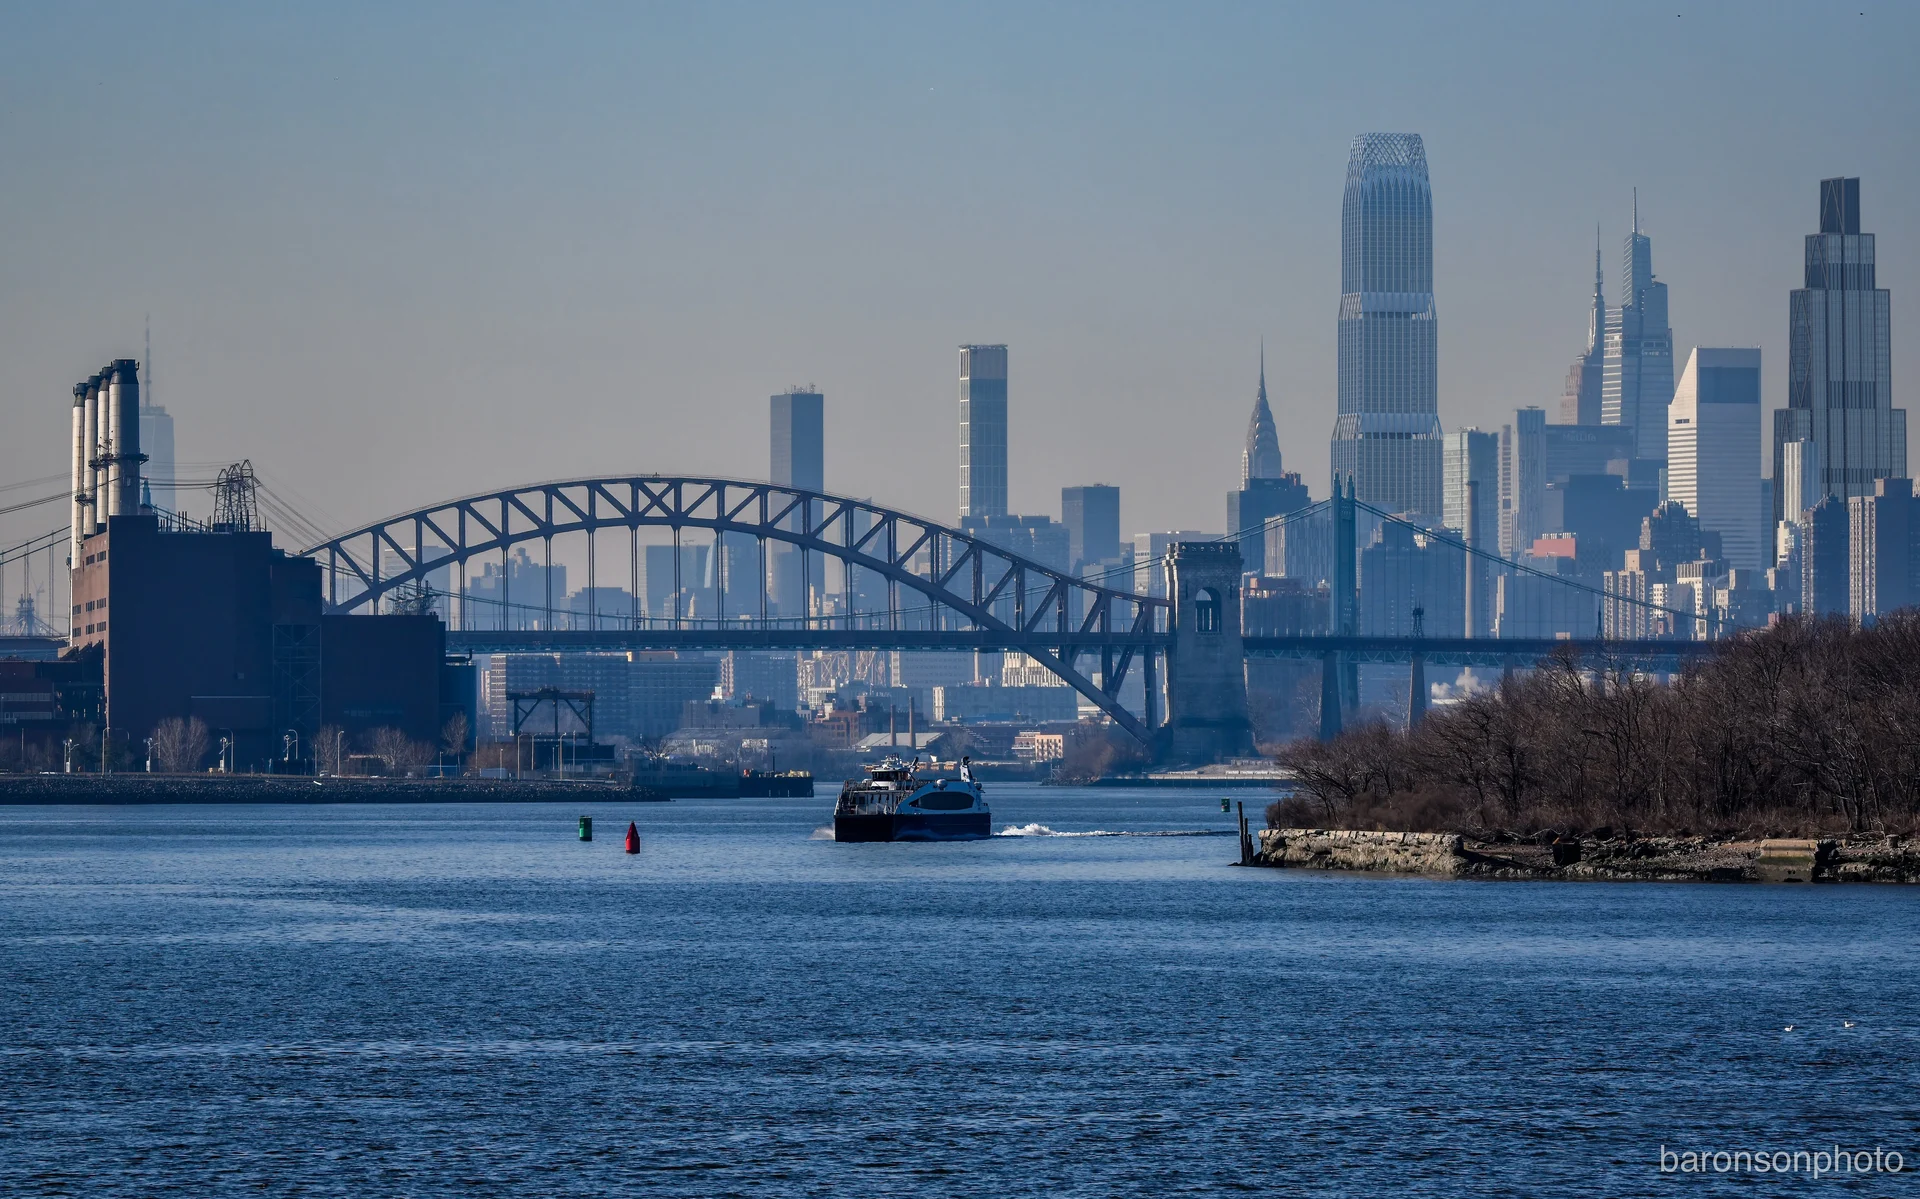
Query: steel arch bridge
{"points": [[969, 593]]}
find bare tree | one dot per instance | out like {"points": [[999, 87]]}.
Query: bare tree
{"points": [[330, 749], [179, 745], [398, 753], [453, 736]]}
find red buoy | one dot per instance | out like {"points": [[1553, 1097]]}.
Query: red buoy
{"points": [[633, 838]]}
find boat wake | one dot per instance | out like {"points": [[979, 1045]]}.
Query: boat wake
{"points": [[1041, 830]]}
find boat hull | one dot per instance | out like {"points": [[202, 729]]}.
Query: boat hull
{"points": [[913, 826]]}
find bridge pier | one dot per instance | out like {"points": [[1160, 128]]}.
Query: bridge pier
{"points": [[1207, 662], [1416, 691], [1329, 696]]}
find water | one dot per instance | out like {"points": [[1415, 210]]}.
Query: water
{"points": [[464, 999]]}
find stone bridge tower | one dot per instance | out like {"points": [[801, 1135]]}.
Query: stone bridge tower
{"points": [[1207, 666]]}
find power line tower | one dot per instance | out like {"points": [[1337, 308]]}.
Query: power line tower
{"points": [[236, 501]]}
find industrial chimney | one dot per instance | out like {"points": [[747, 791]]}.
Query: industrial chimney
{"points": [[123, 451], [81, 477], [90, 437]]}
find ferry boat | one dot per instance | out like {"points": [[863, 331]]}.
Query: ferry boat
{"points": [[895, 803]]}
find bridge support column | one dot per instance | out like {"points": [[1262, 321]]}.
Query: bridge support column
{"points": [[1416, 691], [1207, 663], [1329, 696]]}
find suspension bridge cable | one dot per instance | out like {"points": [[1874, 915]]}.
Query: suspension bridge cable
{"points": [[1523, 568]]}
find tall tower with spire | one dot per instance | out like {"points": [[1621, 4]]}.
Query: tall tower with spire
{"points": [[1266, 491], [1580, 402], [1260, 457], [1637, 384]]}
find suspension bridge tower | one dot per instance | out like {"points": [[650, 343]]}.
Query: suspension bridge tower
{"points": [[1206, 666]]}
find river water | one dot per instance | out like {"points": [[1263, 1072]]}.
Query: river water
{"points": [[464, 999]]}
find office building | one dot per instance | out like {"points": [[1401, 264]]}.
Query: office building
{"points": [[1411, 582], [796, 458], [797, 455], [160, 473], [1840, 360], [1638, 368], [1267, 492], [517, 594], [983, 430], [1825, 561], [1588, 450], [1713, 450], [1523, 480], [1386, 436], [1150, 559], [1880, 533], [1470, 504], [1091, 515], [1581, 402]]}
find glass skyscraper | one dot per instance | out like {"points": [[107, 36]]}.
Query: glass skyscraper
{"points": [[1637, 384], [983, 431], [1386, 436], [1840, 361]]}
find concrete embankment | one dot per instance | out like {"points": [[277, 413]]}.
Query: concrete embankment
{"points": [[1651, 859], [283, 789]]}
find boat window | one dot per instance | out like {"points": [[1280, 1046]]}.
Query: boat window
{"points": [[944, 802]]}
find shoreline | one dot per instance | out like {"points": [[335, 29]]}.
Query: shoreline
{"points": [[1859, 858], [134, 789]]}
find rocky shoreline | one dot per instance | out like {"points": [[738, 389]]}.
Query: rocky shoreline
{"points": [[1866, 859]]}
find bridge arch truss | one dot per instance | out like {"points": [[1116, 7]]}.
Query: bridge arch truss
{"points": [[944, 588]]}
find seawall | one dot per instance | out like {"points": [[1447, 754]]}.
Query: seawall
{"points": [[1875, 859]]}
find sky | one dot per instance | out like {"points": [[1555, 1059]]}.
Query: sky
{"points": [[396, 253]]}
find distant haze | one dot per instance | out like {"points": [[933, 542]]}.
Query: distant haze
{"points": [[399, 253]]}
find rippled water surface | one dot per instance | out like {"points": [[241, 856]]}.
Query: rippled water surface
{"points": [[465, 999]]}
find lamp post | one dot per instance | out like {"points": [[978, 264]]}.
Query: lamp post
{"points": [[149, 755]]}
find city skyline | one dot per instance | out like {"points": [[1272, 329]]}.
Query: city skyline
{"points": [[354, 315]]}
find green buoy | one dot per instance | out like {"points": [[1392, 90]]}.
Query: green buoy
{"points": [[1226, 804], [586, 828]]}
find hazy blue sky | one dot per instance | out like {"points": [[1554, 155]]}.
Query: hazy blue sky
{"points": [[395, 253]]}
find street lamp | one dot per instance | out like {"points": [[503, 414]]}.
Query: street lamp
{"points": [[69, 746], [149, 755]]}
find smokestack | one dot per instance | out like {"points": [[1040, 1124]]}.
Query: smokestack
{"points": [[91, 439], [124, 424], [80, 475]]}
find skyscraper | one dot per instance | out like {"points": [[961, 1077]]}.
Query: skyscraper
{"points": [[1471, 504], [983, 430], [1092, 517], [1840, 360], [797, 458], [1260, 456], [1638, 369], [1266, 491], [799, 439], [1386, 436], [1586, 379], [1713, 451], [1523, 481]]}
